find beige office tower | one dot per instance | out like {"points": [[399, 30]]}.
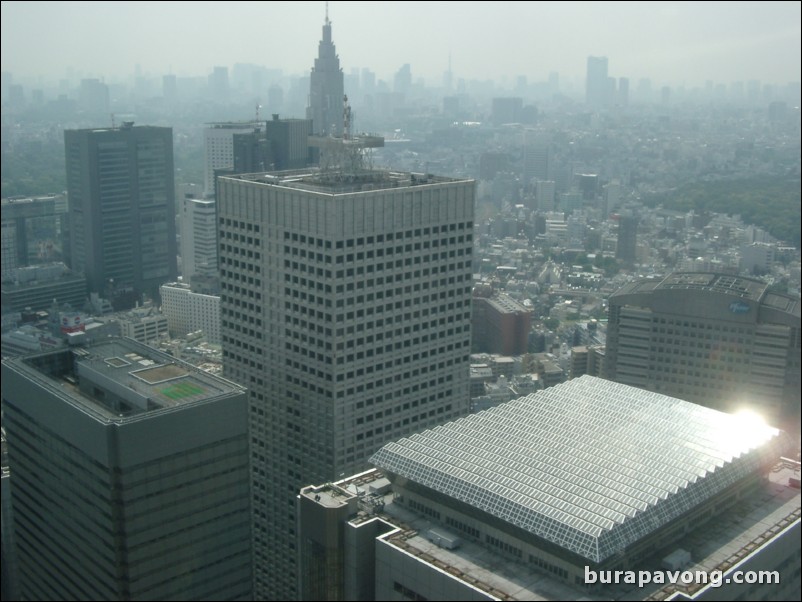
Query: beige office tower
{"points": [[722, 341], [345, 309]]}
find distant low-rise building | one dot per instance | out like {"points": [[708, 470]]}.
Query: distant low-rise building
{"points": [[36, 287], [143, 325]]}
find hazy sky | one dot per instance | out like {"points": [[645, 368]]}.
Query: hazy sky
{"points": [[670, 42]]}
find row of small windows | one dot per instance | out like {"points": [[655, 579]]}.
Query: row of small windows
{"points": [[369, 255], [237, 327], [241, 225], [234, 300], [503, 546], [398, 408], [239, 291], [379, 430], [307, 369], [362, 312], [362, 326], [425, 353], [236, 276], [305, 384], [243, 362], [379, 238], [378, 281], [379, 350], [460, 526], [551, 568], [244, 345], [381, 266], [406, 593], [423, 509], [378, 295]]}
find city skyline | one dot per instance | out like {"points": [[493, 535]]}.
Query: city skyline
{"points": [[678, 43]]}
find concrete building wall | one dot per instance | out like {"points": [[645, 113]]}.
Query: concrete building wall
{"points": [[348, 317]]}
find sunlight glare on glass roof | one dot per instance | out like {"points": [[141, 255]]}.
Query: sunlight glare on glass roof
{"points": [[590, 464]]}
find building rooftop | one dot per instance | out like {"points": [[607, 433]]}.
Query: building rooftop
{"points": [[119, 379], [721, 545], [739, 288], [590, 465], [507, 305], [746, 288], [343, 181]]}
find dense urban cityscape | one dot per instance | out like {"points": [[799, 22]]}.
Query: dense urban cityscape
{"points": [[335, 336]]}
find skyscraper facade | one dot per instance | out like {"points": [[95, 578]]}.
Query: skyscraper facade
{"points": [[627, 243], [218, 141], [722, 341], [346, 312], [33, 230], [129, 474], [121, 196], [326, 89], [198, 219], [596, 85]]}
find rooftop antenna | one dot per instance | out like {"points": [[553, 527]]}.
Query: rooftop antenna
{"points": [[327, 13], [112, 121]]}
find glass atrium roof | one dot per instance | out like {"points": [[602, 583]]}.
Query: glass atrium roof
{"points": [[590, 465]]}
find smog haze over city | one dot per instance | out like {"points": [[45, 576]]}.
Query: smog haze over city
{"points": [[676, 43]]}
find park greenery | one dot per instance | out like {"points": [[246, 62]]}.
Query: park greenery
{"points": [[772, 203]]}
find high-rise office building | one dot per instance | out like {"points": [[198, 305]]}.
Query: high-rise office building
{"points": [[626, 248], [282, 144], [218, 84], [623, 91], [346, 312], [326, 90], [596, 84], [121, 196], [218, 140], [129, 476], [721, 341], [198, 227], [536, 156], [289, 142]]}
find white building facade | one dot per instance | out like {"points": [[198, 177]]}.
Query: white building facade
{"points": [[187, 312]]}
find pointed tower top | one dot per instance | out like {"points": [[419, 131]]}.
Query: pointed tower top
{"points": [[327, 14]]}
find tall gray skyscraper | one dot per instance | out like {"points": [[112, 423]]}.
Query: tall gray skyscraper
{"points": [[129, 476], [627, 245], [346, 312], [326, 90], [596, 85], [121, 196]]}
